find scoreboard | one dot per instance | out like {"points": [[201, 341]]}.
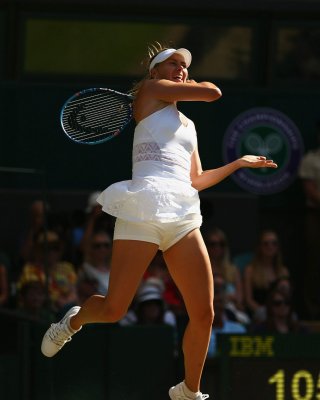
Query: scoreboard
{"points": [[281, 367]]}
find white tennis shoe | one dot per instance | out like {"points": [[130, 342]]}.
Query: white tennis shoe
{"points": [[178, 393], [58, 334]]}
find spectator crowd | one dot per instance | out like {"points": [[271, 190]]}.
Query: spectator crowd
{"points": [[60, 264]]}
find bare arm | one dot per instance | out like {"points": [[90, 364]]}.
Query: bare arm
{"points": [[90, 226], [170, 92], [204, 179]]}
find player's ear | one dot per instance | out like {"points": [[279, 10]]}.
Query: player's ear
{"points": [[153, 73]]}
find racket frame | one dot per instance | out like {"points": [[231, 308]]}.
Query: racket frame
{"points": [[92, 90]]}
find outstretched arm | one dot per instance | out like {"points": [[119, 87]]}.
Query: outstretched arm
{"points": [[204, 179]]}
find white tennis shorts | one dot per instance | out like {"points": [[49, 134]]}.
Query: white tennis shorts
{"points": [[164, 234]]}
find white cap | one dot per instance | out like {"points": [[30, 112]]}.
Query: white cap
{"points": [[165, 54], [151, 289]]}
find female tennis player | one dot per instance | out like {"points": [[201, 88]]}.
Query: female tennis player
{"points": [[159, 209]]}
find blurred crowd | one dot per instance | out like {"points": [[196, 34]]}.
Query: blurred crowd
{"points": [[60, 263]]}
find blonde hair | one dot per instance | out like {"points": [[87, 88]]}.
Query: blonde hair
{"points": [[259, 276], [152, 51], [228, 268]]}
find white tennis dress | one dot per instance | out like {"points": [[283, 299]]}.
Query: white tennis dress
{"points": [[160, 189]]}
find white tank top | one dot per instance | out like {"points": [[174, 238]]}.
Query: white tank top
{"points": [[160, 189]]}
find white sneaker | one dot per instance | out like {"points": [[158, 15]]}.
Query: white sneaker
{"points": [[178, 393], [58, 334]]}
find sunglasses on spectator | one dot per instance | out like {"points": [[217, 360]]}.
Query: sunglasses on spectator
{"points": [[216, 243], [100, 245], [278, 303]]}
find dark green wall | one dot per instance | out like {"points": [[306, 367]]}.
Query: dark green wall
{"points": [[31, 136]]}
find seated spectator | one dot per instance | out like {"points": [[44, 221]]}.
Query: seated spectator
{"points": [[310, 181], [219, 253], [34, 225], [32, 300], [86, 287], [96, 220], [97, 264], [47, 264], [171, 297], [280, 316], [285, 286], [221, 323], [149, 306], [74, 235], [265, 268]]}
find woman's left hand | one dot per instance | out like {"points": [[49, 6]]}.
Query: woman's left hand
{"points": [[257, 162]]}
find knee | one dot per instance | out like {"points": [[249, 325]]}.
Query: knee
{"points": [[209, 317], [203, 316]]}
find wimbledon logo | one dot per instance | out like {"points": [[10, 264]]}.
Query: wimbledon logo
{"points": [[270, 133]]}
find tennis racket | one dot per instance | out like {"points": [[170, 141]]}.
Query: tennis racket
{"points": [[96, 115]]}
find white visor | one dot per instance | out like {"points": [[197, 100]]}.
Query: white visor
{"points": [[165, 54]]}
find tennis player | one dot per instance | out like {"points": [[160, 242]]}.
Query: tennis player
{"points": [[159, 209]]}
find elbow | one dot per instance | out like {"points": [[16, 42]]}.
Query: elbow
{"points": [[197, 185], [194, 184], [215, 94]]}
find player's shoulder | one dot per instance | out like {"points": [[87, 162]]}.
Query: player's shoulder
{"points": [[150, 84]]}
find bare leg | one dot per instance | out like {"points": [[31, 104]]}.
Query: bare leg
{"points": [[130, 259], [189, 266]]}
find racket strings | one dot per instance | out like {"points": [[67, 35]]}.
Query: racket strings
{"points": [[92, 104], [105, 104], [93, 130], [89, 96], [95, 125], [97, 116], [105, 110], [98, 125]]}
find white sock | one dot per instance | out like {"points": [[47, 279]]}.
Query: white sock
{"points": [[189, 393]]}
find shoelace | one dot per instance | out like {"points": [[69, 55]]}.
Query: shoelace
{"points": [[203, 397], [58, 335]]}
